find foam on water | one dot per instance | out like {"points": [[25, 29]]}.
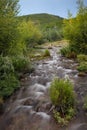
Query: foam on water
{"points": [[38, 94], [59, 67], [44, 115], [68, 70], [38, 88], [48, 84]]}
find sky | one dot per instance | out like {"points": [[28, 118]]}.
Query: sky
{"points": [[55, 7]]}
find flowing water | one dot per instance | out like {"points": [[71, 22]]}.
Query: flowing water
{"points": [[30, 108]]}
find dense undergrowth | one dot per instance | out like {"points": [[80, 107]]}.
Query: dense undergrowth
{"points": [[75, 30]]}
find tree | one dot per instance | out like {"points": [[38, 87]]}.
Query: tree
{"points": [[75, 29], [8, 25], [30, 33]]}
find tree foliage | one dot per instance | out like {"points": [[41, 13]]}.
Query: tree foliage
{"points": [[75, 29], [8, 25], [30, 33]]}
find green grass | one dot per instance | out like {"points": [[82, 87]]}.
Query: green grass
{"points": [[46, 53]]}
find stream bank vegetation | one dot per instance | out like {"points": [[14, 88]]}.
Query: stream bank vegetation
{"points": [[82, 67], [13, 49], [46, 53], [63, 98], [75, 31]]}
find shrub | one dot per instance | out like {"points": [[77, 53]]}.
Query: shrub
{"points": [[8, 81], [62, 96], [51, 34], [66, 51], [22, 64], [46, 53], [75, 30], [82, 67], [8, 85], [6, 66], [81, 58], [30, 33], [72, 54]]}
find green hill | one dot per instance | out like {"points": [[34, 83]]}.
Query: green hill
{"points": [[44, 19], [50, 26]]}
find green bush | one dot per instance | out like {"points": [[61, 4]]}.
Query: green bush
{"points": [[65, 50], [46, 53], [22, 64], [50, 34], [9, 34], [81, 58], [82, 67], [6, 66], [68, 52], [8, 80], [30, 33], [8, 85], [75, 29], [62, 95]]}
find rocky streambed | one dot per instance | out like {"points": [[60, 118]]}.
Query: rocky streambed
{"points": [[30, 108]]}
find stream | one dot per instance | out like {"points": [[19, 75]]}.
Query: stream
{"points": [[30, 108]]}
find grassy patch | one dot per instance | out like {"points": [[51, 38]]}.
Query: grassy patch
{"points": [[67, 52], [82, 67], [46, 53], [81, 58]]}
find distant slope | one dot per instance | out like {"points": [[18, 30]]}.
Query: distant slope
{"points": [[43, 19]]}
